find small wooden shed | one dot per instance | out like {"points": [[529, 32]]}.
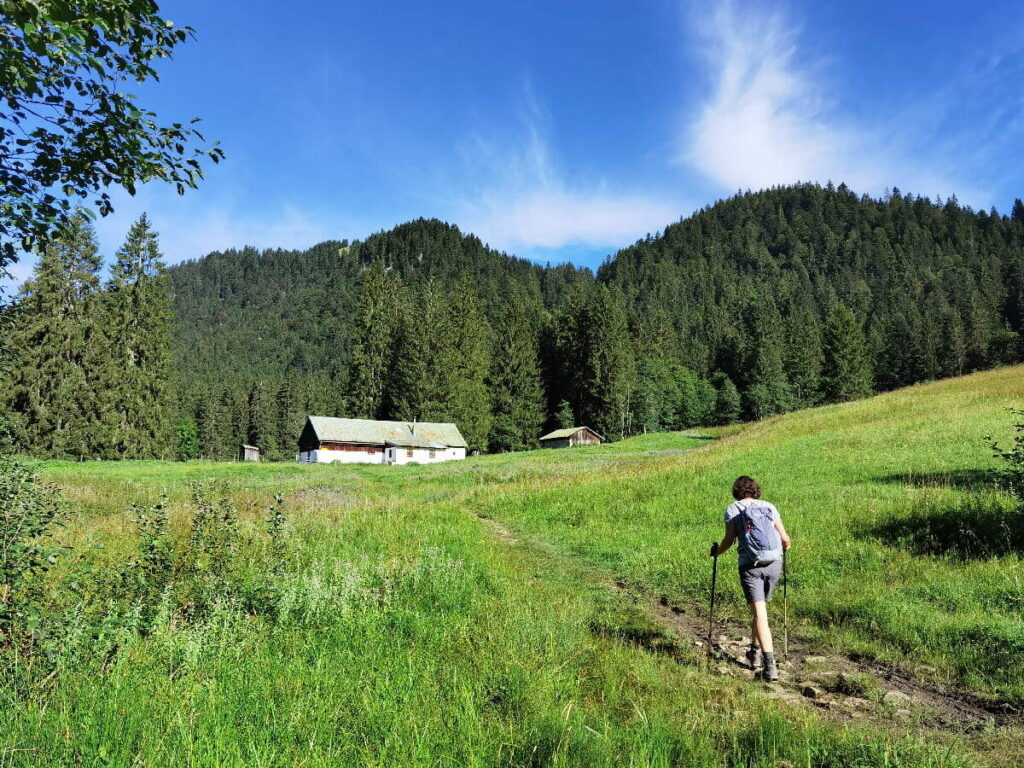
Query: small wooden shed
{"points": [[572, 436], [249, 453]]}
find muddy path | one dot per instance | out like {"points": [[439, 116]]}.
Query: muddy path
{"points": [[842, 687], [847, 687]]}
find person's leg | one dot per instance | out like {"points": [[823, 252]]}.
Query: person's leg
{"points": [[761, 633]]}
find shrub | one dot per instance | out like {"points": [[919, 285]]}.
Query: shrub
{"points": [[1011, 473], [30, 511]]}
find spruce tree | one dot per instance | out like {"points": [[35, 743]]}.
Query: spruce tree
{"points": [[516, 384], [469, 399], [564, 418], [374, 335], [424, 359], [727, 401], [610, 366], [136, 361], [803, 357], [262, 419], [768, 392], [54, 381], [847, 366]]}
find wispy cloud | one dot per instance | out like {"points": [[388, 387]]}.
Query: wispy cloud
{"points": [[516, 197], [768, 119], [190, 229]]}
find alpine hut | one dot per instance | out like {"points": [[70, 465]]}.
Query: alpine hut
{"points": [[572, 436], [325, 440]]}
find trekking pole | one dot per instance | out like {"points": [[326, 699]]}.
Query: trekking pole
{"points": [[785, 609], [711, 612]]}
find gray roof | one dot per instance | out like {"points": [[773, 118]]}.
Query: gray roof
{"points": [[397, 433], [568, 432]]}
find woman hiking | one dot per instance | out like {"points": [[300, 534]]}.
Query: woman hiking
{"points": [[762, 540]]}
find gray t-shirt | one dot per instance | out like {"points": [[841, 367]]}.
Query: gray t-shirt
{"points": [[753, 507]]}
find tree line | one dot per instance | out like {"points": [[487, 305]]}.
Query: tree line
{"points": [[87, 368], [755, 306]]}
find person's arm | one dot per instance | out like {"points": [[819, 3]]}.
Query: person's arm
{"points": [[730, 537], [782, 533]]}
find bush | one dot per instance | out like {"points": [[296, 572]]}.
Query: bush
{"points": [[30, 511], [1011, 473]]}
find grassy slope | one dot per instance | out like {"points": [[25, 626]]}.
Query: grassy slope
{"points": [[900, 549], [417, 638]]}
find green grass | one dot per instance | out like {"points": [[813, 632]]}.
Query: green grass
{"points": [[902, 550], [406, 632]]}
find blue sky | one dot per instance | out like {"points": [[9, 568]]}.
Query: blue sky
{"points": [[565, 130]]}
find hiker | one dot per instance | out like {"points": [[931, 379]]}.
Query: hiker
{"points": [[762, 539]]}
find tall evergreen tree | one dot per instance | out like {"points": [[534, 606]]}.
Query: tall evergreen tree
{"points": [[134, 386], [803, 357], [469, 398], [847, 366], [769, 392], [516, 384], [727, 401], [53, 388], [610, 366], [376, 326]]}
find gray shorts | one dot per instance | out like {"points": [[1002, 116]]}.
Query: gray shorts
{"points": [[759, 583]]}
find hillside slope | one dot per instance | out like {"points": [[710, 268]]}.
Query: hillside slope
{"points": [[748, 307], [408, 630]]}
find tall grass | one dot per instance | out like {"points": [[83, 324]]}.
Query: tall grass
{"points": [[394, 628]]}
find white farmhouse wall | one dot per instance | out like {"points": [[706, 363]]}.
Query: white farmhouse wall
{"points": [[422, 455], [327, 456]]}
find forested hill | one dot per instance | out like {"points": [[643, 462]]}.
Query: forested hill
{"points": [[267, 313], [759, 304]]}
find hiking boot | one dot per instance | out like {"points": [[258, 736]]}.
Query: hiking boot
{"points": [[754, 656], [771, 669]]}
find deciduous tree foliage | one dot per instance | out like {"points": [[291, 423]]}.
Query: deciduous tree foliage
{"points": [[70, 128]]}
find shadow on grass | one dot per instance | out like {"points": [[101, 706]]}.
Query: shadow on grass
{"points": [[975, 529], [966, 479]]}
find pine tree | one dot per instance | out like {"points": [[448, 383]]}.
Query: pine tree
{"points": [[568, 371], [136, 361], [516, 385], [469, 403], [53, 386], [847, 366], [769, 392], [376, 325], [610, 366], [803, 357], [727, 401], [424, 358], [563, 416], [262, 419]]}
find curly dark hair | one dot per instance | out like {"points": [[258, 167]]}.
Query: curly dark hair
{"points": [[746, 488]]}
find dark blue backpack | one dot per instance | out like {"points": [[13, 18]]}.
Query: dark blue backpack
{"points": [[756, 525]]}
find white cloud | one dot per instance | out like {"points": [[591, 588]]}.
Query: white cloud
{"points": [[516, 198], [768, 119], [189, 229]]}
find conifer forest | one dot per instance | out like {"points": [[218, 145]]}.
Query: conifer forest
{"points": [[758, 305]]}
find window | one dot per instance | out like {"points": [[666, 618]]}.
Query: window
{"points": [[369, 449], [433, 453], [408, 453]]}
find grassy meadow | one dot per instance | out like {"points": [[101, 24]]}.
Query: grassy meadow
{"points": [[459, 614]]}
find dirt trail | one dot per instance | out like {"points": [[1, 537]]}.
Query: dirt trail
{"points": [[843, 687], [849, 687]]}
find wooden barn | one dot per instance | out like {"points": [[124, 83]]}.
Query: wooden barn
{"points": [[572, 436], [326, 440], [248, 453]]}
